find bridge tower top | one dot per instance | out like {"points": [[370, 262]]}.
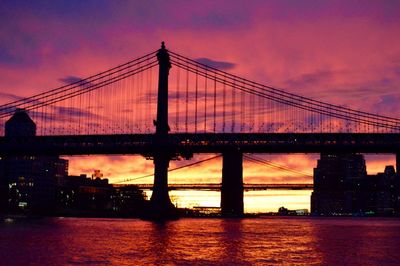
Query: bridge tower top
{"points": [[163, 56], [164, 63]]}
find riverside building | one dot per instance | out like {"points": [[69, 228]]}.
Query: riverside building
{"points": [[342, 187], [30, 181]]}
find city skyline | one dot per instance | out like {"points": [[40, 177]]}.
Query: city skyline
{"points": [[323, 50]]}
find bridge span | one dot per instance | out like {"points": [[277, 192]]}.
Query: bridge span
{"points": [[217, 186], [186, 144]]}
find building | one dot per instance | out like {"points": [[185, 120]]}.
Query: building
{"points": [[383, 196], [81, 195], [31, 180], [333, 179], [342, 187], [3, 190], [41, 185], [286, 212], [128, 200]]}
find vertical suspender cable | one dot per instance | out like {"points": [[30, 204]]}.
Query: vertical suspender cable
{"points": [[195, 111], [187, 101], [177, 99], [223, 105], [215, 105], [233, 106], [205, 100]]}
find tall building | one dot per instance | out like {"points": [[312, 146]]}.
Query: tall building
{"points": [[342, 187], [3, 190], [31, 180], [334, 179], [384, 192]]}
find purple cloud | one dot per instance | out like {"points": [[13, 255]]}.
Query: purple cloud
{"points": [[73, 79], [216, 64], [388, 104], [313, 79], [70, 79], [10, 96]]}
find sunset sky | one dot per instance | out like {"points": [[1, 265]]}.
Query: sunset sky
{"points": [[342, 52]]}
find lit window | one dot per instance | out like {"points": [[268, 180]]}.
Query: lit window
{"points": [[22, 204]]}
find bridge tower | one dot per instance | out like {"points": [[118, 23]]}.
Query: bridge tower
{"points": [[232, 184], [161, 206]]}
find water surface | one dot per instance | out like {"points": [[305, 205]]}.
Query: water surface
{"points": [[259, 241]]}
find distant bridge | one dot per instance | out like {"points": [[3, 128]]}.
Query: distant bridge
{"points": [[217, 186]]}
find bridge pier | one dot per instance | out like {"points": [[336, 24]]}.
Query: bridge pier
{"points": [[232, 184], [161, 206]]}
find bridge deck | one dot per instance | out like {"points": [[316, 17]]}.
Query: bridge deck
{"points": [[187, 144], [217, 186]]}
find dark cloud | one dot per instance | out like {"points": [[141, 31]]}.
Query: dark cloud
{"points": [[70, 79], [73, 111], [396, 70], [45, 116], [13, 97], [7, 57], [330, 85], [216, 64], [7, 109], [69, 111], [312, 79], [65, 9], [191, 94], [388, 104], [73, 79], [382, 11], [10, 96], [382, 86], [201, 94]]}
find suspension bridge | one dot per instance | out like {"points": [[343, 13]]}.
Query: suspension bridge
{"points": [[166, 106], [217, 187]]}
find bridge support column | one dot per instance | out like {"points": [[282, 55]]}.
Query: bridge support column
{"points": [[161, 206], [232, 184], [398, 163]]}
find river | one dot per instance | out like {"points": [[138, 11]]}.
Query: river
{"points": [[255, 241]]}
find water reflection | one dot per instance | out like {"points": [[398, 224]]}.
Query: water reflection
{"points": [[362, 241], [232, 241], [265, 241], [162, 240]]}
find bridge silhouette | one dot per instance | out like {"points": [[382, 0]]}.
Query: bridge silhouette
{"points": [[187, 108], [217, 187]]}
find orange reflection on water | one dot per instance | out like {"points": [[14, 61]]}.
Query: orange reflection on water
{"points": [[257, 241]]}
